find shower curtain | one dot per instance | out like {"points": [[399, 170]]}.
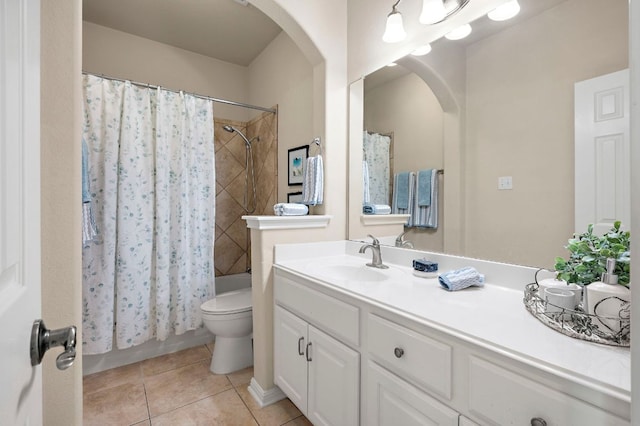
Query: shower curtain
{"points": [[376, 153], [151, 171]]}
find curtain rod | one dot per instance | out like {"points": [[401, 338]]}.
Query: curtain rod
{"points": [[151, 86]]}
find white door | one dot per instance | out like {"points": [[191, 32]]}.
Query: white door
{"points": [[334, 381], [20, 383], [602, 154], [290, 363]]}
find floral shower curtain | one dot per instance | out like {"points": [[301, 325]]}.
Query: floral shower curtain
{"points": [[375, 149], [151, 171]]}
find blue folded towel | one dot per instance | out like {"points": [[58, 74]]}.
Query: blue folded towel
{"points": [[424, 188], [376, 208], [461, 278], [402, 190]]}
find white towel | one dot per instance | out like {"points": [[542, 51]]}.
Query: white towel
{"points": [[366, 192], [313, 181], [290, 209]]}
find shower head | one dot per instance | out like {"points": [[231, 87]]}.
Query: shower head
{"points": [[232, 129]]}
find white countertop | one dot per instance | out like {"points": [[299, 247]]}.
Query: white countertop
{"points": [[492, 316]]}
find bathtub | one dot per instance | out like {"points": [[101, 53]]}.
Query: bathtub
{"points": [[225, 283]]}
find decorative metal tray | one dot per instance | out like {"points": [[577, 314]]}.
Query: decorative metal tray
{"points": [[577, 323]]}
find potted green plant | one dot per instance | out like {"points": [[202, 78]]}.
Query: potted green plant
{"points": [[588, 254]]}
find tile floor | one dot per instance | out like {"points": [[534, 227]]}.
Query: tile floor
{"points": [[179, 389]]}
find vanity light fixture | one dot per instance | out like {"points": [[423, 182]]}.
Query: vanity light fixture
{"points": [[459, 33], [432, 11], [505, 11], [422, 50], [394, 31]]}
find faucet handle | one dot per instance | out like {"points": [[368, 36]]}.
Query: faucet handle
{"points": [[375, 240]]}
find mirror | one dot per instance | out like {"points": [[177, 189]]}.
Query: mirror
{"points": [[507, 98]]}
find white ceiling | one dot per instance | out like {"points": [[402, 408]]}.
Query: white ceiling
{"points": [[221, 29]]}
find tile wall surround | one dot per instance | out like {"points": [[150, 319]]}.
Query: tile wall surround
{"points": [[232, 241]]}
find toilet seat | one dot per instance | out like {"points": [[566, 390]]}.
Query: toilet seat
{"points": [[228, 303]]}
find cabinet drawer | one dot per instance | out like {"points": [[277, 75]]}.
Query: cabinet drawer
{"points": [[411, 355], [338, 318], [500, 397]]}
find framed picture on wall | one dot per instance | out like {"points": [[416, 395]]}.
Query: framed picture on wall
{"points": [[295, 165], [294, 197]]}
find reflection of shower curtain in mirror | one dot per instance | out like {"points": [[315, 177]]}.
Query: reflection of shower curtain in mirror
{"points": [[376, 153], [152, 177]]}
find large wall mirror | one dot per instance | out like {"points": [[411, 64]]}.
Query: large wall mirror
{"points": [[499, 103]]}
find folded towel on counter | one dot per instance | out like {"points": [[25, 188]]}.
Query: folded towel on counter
{"points": [[290, 209], [461, 278], [423, 188], [313, 181], [376, 209]]}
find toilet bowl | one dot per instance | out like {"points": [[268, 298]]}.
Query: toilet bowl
{"points": [[229, 317]]}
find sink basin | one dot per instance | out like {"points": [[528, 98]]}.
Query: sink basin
{"points": [[350, 273]]}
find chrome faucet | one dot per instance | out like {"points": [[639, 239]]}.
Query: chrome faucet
{"points": [[376, 262], [401, 242]]}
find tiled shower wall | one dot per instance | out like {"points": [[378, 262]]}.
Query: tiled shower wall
{"points": [[232, 244]]}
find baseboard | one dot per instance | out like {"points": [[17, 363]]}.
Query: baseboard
{"points": [[153, 348], [265, 397]]}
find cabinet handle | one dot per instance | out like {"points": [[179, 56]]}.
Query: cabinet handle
{"points": [[398, 352], [300, 351], [309, 352], [537, 421]]}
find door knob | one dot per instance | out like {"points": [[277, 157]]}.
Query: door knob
{"points": [[43, 339]]}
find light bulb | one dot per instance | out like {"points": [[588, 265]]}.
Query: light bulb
{"points": [[432, 11], [422, 50], [459, 33], [505, 11], [394, 31]]}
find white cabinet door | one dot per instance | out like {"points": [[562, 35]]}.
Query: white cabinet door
{"points": [[290, 364], [391, 401], [334, 378]]}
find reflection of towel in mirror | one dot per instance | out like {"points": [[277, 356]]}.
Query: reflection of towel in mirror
{"points": [[366, 194], [423, 214], [403, 187], [89, 228], [313, 181], [376, 209]]}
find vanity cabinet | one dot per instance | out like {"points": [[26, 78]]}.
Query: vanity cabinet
{"points": [[320, 374], [345, 359]]}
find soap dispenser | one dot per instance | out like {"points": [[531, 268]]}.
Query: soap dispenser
{"points": [[605, 299]]}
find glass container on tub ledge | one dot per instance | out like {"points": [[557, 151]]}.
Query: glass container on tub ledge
{"points": [[601, 261]]}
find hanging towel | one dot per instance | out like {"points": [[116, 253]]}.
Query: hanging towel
{"points": [[376, 209], [461, 278], [89, 228], [366, 192], [401, 184], [423, 188], [426, 216], [313, 181], [290, 209]]}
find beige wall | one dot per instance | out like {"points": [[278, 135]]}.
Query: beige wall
{"points": [[118, 54], [61, 212], [291, 88], [520, 123]]}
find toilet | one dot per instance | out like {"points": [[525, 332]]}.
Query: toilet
{"points": [[229, 317]]}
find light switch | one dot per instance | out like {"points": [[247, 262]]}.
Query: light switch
{"points": [[505, 182]]}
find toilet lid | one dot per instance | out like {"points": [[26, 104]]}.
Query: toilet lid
{"points": [[228, 303]]}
